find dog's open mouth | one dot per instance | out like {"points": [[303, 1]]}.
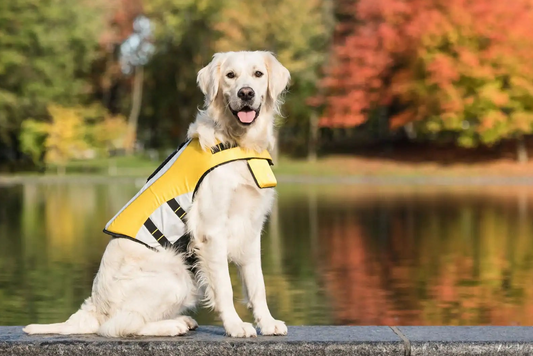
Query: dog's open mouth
{"points": [[246, 115]]}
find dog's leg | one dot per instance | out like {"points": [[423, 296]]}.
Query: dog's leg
{"points": [[191, 323], [252, 275], [178, 326], [84, 321], [122, 323], [215, 273], [174, 327]]}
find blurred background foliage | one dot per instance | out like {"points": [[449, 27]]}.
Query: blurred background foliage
{"points": [[364, 73], [91, 85], [456, 69]]}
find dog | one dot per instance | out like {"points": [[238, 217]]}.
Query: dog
{"points": [[145, 291]]}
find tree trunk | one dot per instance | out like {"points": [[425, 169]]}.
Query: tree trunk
{"points": [[313, 137], [521, 149], [383, 123], [108, 87], [410, 130], [136, 101]]}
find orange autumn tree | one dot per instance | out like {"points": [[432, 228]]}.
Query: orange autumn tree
{"points": [[454, 66]]}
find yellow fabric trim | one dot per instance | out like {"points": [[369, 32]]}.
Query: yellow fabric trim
{"points": [[263, 175], [180, 178]]}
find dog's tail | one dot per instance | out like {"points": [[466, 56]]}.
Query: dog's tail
{"points": [[84, 321]]}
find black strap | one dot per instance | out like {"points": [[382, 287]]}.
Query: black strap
{"points": [[156, 233], [177, 209], [182, 245]]}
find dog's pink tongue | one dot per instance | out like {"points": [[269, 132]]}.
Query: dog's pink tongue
{"points": [[246, 116]]}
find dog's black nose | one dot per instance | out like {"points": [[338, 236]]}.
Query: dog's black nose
{"points": [[246, 93]]}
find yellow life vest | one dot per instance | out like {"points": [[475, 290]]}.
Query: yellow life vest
{"points": [[155, 216]]}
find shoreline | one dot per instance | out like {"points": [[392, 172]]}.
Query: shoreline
{"points": [[7, 180]]}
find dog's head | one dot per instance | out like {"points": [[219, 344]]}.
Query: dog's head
{"points": [[243, 83]]}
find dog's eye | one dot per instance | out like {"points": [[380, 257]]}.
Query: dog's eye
{"points": [[230, 75], [258, 74]]}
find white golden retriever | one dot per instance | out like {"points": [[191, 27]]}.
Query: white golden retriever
{"points": [[138, 291]]}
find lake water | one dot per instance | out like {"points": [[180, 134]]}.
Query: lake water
{"points": [[348, 254]]}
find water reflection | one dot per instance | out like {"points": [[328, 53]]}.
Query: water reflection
{"points": [[331, 255]]}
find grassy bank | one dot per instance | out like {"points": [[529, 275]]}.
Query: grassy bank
{"points": [[338, 165], [330, 166]]}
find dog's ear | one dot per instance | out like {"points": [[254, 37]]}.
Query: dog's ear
{"points": [[278, 76], [209, 78]]}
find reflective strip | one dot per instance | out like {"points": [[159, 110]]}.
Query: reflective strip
{"points": [[158, 235]]}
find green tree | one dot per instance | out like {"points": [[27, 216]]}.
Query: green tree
{"points": [[47, 50], [32, 137], [66, 136], [72, 133], [189, 32], [298, 32], [105, 132], [184, 36]]}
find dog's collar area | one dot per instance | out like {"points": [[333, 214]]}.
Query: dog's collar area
{"points": [[243, 115], [223, 146]]}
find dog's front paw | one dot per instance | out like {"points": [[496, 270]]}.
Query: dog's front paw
{"points": [[190, 322], [273, 327], [240, 329], [173, 327]]}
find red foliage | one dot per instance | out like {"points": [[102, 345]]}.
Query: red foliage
{"points": [[383, 47]]}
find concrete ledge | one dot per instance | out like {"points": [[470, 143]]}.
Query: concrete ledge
{"points": [[210, 340], [302, 340], [469, 340]]}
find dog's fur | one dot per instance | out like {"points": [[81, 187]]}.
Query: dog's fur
{"points": [[138, 291]]}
